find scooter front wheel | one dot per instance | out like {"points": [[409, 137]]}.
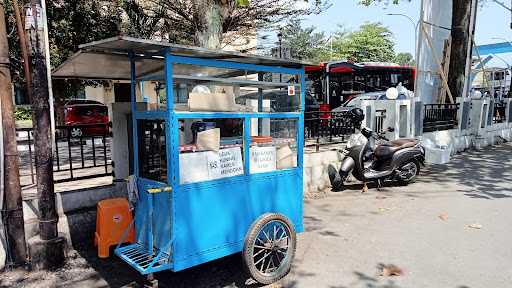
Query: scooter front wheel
{"points": [[408, 172], [337, 178]]}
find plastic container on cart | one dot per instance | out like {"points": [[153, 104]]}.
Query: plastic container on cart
{"points": [[261, 139]]}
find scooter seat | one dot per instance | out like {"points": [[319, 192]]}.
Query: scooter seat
{"points": [[386, 150]]}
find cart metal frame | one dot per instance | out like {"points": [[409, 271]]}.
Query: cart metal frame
{"points": [[182, 225]]}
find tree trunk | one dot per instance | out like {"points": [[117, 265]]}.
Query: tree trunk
{"points": [[12, 210], [211, 33], [460, 33], [210, 16]]}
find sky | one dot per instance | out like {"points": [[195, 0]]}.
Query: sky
{"points": [[492, 21]]}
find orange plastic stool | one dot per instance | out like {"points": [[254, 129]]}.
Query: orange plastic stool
{"points": [[113, 217]]}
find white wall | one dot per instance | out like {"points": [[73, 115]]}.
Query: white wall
{"points": [[474, 136], [438, 12]]}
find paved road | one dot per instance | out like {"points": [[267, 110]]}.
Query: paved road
{"points": [[349, 235]]}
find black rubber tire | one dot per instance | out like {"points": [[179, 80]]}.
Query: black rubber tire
{"points": [[409, 181], [247, 252], [334, 177], [76, 132]]}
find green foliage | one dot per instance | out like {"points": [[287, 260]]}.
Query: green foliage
{"points": [[305, 43], [211, 23], [142, 22], [74, 22], [16, 65], [404, 59], [22, 113], [371, 42], [242, 3]]}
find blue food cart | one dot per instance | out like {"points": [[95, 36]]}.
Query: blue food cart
{"points": [[218, 153]]}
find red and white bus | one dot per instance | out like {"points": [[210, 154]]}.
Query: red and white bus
{"points": [[347, 80]]}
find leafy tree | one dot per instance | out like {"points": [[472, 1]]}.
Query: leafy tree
{"points": [[205, 22], [305, 43], [404, 59], [197, 22], [74, 22], [371, 42], [16, 64], [141, 22]]}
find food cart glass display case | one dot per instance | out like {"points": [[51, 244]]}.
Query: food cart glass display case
{"points": [[218, 154]]}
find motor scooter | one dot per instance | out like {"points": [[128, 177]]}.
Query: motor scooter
{"points": [[371, 157]]}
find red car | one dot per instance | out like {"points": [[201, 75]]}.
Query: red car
{"points": [[83, 115]]}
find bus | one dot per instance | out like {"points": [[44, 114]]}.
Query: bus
{"points": [[347, 80]]}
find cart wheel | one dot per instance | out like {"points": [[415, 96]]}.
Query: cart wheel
{"points": [[269, 248]]}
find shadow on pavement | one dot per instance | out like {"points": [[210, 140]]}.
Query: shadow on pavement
{"points": [[481, 174], [224, 272], [476, 174]]}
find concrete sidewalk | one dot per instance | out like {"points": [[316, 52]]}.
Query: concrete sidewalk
{"points": [[349, 236]]}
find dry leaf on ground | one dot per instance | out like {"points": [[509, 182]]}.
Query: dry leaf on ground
{"points": [[391, 270], [365, 188], [475, 226], [443, 216], [384, 209]]}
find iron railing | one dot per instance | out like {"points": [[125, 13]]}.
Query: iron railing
{"points": [[380, 115], [80, 152], [499, 115], [327, 127], [440, 117]]}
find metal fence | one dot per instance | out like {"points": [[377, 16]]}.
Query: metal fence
{"points": [[440, 117], [380, 115], [499, 115], [80, 152], [327, 127]]}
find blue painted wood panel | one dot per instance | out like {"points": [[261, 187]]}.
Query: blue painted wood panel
{"points": [[214, 219]]}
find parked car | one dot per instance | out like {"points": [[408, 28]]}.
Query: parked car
{"points": [[81, 113], [379, 95]]}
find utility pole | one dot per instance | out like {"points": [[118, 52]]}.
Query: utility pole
{"points": [[46, 249], [13, 209], [280, 39]]}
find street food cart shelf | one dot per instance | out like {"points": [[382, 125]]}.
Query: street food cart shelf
{"points": [[240, 197], [138, 257]]}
